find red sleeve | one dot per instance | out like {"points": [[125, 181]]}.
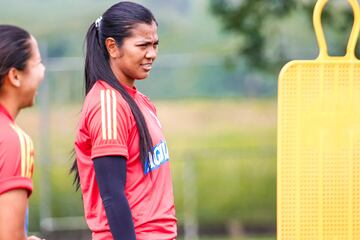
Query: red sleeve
{"points": [[108, 122], [16, 156]]}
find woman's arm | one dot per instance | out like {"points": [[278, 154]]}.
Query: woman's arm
{"points": [[110, 174], [13, 206]]}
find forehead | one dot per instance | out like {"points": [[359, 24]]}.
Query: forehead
{"points": [[35, 53], [143, 31]]}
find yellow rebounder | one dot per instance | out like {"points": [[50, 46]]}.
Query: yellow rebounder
{"points": [[318, 166]]}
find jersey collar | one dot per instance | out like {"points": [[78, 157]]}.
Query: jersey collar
{"points": [[5, 112], [132, 91]]}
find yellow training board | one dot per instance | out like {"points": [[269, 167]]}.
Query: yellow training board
{"points": [[318, 165]]}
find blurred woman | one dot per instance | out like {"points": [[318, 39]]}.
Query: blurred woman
{"points": [[122, 158], [21, 72]]}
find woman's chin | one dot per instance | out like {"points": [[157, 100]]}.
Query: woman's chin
{"points": [[143, 76]]}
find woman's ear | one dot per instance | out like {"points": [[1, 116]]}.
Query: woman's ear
{"points": [[112, 47], [14, 77]]}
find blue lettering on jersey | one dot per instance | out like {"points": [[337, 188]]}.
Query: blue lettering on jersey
{"points": [[157, 157]]}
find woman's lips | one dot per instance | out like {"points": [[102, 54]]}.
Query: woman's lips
{"points": [[146, 66]]}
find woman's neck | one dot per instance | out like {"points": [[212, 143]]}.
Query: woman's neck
{"points": [[121, 77], [10, 106]]}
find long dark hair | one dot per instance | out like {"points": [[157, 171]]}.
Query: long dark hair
{"points": [[15, 49], [117, 22]]}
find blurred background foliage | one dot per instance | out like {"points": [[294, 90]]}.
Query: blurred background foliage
{"points": [[214, 83], [276, 31]]}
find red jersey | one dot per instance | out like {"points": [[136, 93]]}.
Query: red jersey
{"points": [[107, 127], [16, 155]]}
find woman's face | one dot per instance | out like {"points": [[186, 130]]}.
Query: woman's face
{"points": [[31, 76], [134, 58]]}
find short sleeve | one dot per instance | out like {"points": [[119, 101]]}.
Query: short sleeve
{"points": [[108, 123], [16, 162]]}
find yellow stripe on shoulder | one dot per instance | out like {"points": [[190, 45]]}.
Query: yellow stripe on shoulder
{"points": [[29, 155], [32, 155], [114, 114], [108, 114], [22, 140], [103, 110]]}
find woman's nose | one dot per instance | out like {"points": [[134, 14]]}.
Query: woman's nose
{"points": [[151, 53]]}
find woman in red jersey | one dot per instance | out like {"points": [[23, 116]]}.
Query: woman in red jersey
{"points": [[21, 72], [122, 160]]}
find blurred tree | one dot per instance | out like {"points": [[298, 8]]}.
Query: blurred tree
{"points": [[259, 23], [182, 6]]}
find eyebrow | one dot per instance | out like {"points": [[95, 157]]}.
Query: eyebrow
{"points": [[147, 42]]}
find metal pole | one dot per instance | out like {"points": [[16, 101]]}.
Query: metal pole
{"points": [[190, 200], [44, 206]]}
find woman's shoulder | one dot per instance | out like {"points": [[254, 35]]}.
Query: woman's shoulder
{"points": [[100, 91], [147, 101], [103, 95], [11, 135], [99, 86]]}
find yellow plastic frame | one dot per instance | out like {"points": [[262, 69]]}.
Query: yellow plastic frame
{"points": [[318, 165]]}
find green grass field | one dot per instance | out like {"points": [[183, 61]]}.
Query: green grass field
{"points": [[231, 145]]}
